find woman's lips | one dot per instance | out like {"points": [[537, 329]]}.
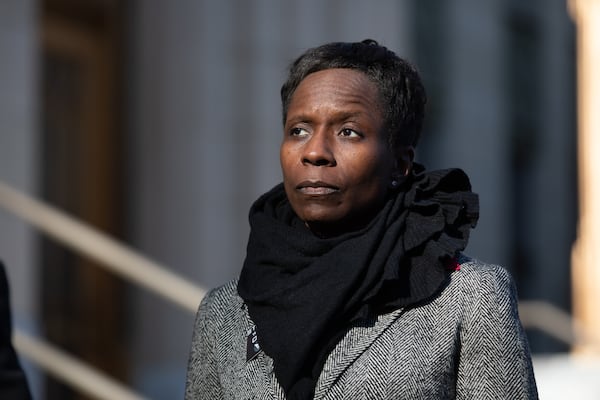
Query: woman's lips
{"points": [[316, 188]]}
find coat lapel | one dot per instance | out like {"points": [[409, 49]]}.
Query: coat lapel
{"points": [[352, 346], [260, 379]]}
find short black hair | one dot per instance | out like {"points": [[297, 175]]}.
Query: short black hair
{"points": [[402, 93]]}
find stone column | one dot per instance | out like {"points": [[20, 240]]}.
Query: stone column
{"points": [[586, 252]]}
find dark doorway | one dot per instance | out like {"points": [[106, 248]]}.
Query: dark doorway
{"points": [[82, 304]]}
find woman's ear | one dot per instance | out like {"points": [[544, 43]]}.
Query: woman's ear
{"points": [[404, 160], [402, 165]]}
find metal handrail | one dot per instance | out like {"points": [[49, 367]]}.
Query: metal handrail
{"points": [[115, 256], [553, 321], [70, 370]]}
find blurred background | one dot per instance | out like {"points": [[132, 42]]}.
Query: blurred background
{"points": [[158, 123]]}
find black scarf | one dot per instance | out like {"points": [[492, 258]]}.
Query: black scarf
{"points": [[303, 292]]}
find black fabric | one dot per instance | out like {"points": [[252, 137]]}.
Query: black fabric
{"points": [[303, 291], [13, 384]]}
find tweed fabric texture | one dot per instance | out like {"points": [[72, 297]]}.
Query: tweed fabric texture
{"points": [[467, 343]]}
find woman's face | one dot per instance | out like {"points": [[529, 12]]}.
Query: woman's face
{"points": [[336, 162]]}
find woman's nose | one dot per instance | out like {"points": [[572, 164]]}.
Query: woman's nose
{"points": [[318, 151]]}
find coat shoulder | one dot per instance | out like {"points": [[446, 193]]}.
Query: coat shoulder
{"points": [[481, 276], [221, 301], [223, 293]]}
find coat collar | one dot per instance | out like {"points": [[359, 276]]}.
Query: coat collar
{"points": [[354, 343]]}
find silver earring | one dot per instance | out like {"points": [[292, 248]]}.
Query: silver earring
{"points": [[394, 183]]}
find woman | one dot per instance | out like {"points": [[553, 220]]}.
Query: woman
{"points": [[354, 285]]}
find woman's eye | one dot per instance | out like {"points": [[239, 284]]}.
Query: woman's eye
{"points": [[347, 132], [298, 132]]}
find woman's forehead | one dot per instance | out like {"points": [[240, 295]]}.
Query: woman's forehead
{"points": [[350, 91]]}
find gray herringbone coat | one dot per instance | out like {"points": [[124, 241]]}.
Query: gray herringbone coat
{"points": [[467, 343]]}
